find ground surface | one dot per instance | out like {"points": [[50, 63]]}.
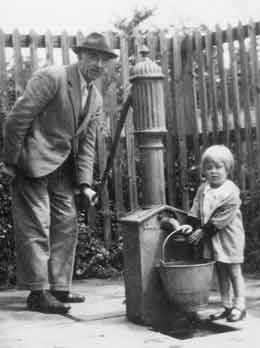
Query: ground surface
{"points": [[101, 322]]}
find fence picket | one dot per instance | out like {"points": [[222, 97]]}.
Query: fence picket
{"points": [[79, 38], [179, 112], [33, 51], [65, 48], [49, 48], [202, 89], [152, 43], [190, 98], [117, 166], [223, 85], [255, 91], [236, 109], [129, 128], [18, 64], [212, 87], [171, 148], [246, 106], [138, 43], [105, 209], [111, 97], [104, 199]]}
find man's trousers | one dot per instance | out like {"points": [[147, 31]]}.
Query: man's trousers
{"points": [[45, 225]]}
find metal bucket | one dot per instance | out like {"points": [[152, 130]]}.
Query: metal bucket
{"points": [[186, 283]]}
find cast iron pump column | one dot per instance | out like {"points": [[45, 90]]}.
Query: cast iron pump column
{"points": [[149, 123], [143, 237]]}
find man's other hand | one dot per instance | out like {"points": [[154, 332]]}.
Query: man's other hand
{"points": [[88, 197]]}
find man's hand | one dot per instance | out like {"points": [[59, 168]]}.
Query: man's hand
{"points": [[7, 173], [196, 236], [88, 197]]}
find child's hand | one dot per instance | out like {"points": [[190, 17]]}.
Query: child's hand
{"points": [[196, 236], [186, 230]]}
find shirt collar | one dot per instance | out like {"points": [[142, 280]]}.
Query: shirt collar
{"points": [[216, 189]]}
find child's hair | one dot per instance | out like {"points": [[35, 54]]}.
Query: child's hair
{"points": [[218, 153]]}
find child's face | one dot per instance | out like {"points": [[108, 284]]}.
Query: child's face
{"points": [[215, 173]]}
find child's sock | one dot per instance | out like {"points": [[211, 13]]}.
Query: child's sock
{"points": [[239, 302], [227, 302]]}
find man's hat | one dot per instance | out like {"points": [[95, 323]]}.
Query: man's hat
{"points": [[95, 42]]}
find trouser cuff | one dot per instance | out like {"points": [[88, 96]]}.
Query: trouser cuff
{"points": [[60, 287]]}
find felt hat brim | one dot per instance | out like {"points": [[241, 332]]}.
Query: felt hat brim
{"points": [[111, 54]]}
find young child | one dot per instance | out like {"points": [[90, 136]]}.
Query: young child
{"points": [[217, 205]]}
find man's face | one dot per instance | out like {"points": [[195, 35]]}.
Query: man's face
{"points": [[92, 64]]}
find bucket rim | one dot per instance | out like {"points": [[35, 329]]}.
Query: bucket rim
{"points": [[173, 264]]}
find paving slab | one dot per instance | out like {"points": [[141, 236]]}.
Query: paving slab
{"points": [[101, 322]]}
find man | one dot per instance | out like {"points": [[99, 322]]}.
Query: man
{"points": [[49, 148]]}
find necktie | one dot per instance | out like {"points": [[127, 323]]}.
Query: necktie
{"points": [[84, 96]]}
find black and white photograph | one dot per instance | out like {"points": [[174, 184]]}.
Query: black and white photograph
{"points": [[129, 174]]}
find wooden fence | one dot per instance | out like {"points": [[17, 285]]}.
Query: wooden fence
{"points": [[211, 96]]}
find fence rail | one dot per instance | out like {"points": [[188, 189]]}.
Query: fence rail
{"points": [[211, 86]]}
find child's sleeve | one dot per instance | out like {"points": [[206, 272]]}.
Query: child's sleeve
{"points": [[227, 211]]}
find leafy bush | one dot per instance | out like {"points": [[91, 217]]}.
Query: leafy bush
{"points": [[7, 253], [93, 259], [251, 215]]}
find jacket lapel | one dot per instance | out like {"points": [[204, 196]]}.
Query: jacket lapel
{"points": [[90, 109], [74, 91]]}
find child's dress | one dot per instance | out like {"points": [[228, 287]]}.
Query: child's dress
{"points": [[221, 206]]}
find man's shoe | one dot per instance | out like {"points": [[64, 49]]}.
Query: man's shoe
{"points": [[43, 301], [68, 297]]}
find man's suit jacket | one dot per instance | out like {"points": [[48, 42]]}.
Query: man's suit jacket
{"points": [[43, 127]]}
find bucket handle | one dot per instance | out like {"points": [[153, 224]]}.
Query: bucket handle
{"points": [[181, 228]]}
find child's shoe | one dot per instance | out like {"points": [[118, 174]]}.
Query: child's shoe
{"points": [[236, 314], [221, 314]]}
